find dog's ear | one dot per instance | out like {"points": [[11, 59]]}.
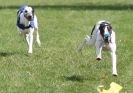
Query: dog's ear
{"points": [[109, 28], [101, 28], [33, 11]]}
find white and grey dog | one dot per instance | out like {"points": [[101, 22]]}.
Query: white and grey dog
{"points": [[102, 36], [27, 24]]}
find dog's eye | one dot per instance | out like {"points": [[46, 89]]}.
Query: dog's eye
{"points": [[26, 11]]}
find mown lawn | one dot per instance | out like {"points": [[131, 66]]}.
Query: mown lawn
{"points": [[57, 67]]}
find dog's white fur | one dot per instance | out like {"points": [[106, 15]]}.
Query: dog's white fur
{"points": [[96, 40], [28, 33]]}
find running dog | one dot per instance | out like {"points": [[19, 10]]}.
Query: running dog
{"points": [[27, 24], [102, 36]]}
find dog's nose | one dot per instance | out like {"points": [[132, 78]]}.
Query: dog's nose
{"points": [[29, 18], [106, 37]]}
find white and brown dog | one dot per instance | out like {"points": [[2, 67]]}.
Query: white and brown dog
{"points": [[102, 36], [27, 24]]}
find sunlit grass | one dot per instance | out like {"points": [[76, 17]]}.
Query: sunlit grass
{"points": [[57, 67]]}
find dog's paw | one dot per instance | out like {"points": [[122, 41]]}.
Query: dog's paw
{"points": [[29, 52], [98, 59], [115, 75]]}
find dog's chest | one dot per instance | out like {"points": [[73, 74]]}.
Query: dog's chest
{"points": [[105, 46]]}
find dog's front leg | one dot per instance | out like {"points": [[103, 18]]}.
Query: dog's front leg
{"points": [[113, 58], [30, 40], [37, 38], [26, 35], [37, 32], [98, 46], [112, 46]]}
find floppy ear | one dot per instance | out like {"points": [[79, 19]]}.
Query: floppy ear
{"points": [[110, 28], [101, 28], [33, 11]]}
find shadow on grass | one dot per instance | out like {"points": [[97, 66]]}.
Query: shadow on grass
{"points": [[77, 7], [76, 78], [5, 54]]}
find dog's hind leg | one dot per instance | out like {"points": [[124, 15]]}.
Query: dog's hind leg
{"points": [[87, 40], [82, 45], [37, 32]]}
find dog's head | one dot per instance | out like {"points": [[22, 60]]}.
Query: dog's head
{"points": [[28, 13], [105, 31]]}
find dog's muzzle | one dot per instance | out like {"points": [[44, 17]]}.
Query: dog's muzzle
{"points": [[106, 37], [29, 18]]}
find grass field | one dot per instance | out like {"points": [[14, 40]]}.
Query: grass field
{"points": [[57, 67]]}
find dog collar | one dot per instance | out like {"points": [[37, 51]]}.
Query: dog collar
{"points": [[23, 27]]}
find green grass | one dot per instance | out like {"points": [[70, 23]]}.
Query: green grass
{"points": [[64, 2], [57, 67]]}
